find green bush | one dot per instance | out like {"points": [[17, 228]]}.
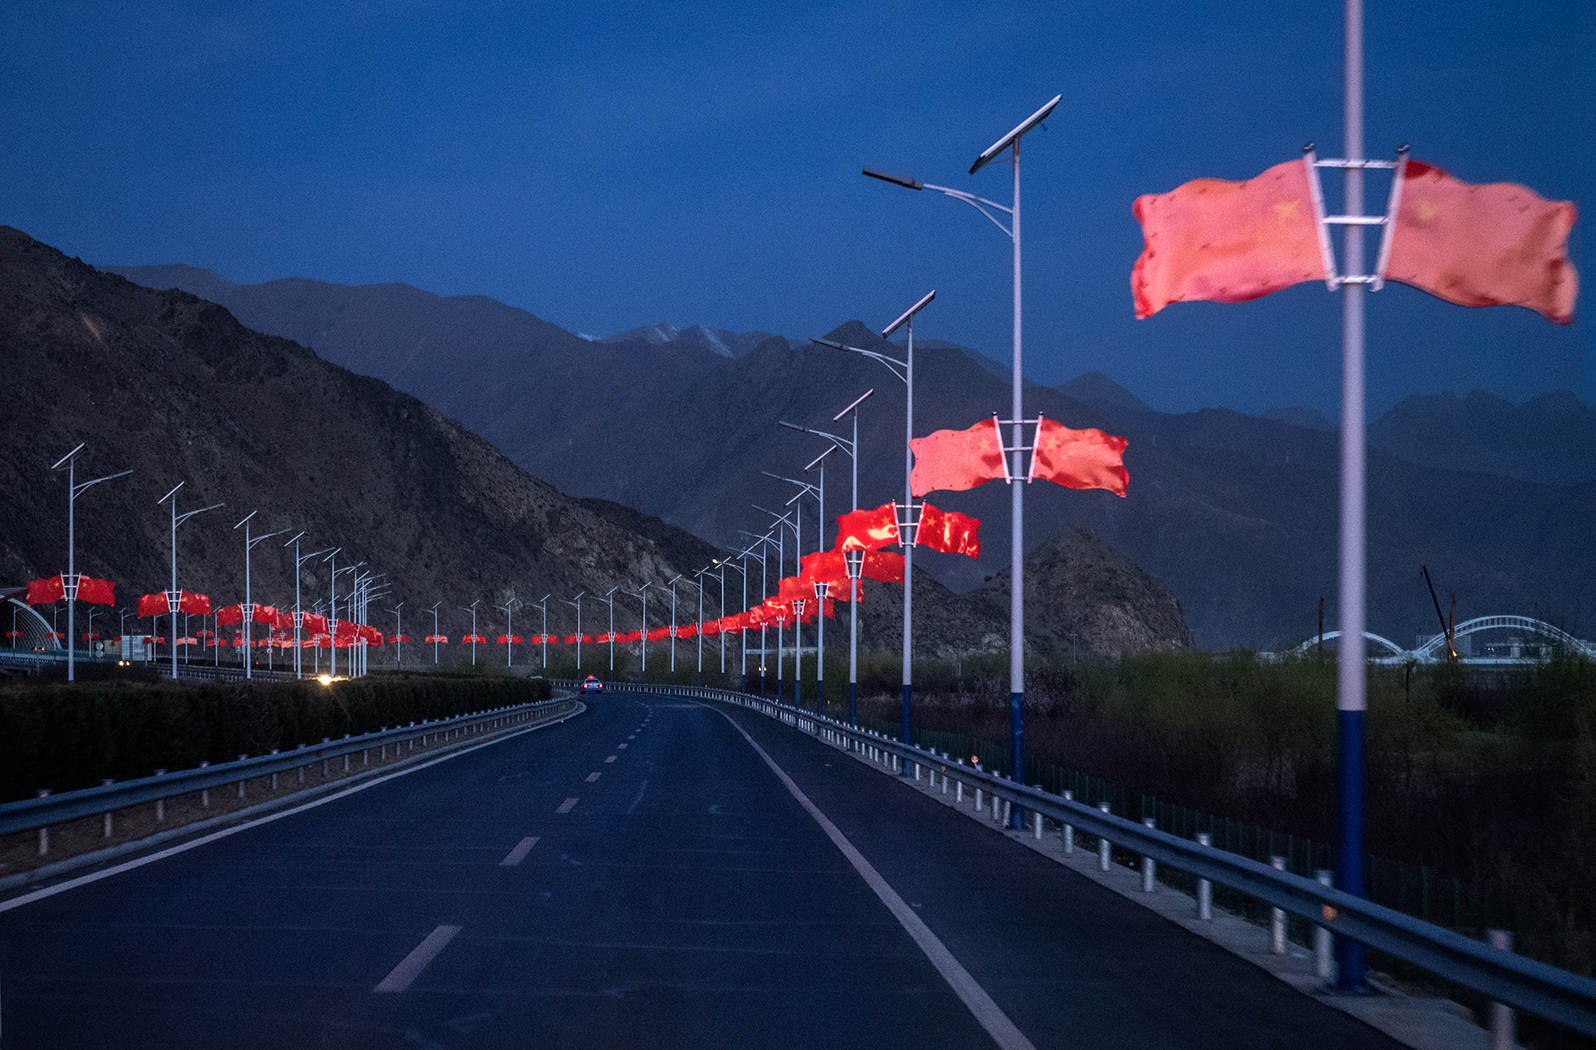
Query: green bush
{"points": [[64, 737]]}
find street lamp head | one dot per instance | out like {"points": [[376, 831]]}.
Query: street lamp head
{"points": [[831, 343], [296, 536], [246, 517], [169, 495], [908, 314], [818, 460], [896, 180], [993, 151]]}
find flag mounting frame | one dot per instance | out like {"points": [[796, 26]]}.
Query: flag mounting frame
{"points": [[1333, 278]]}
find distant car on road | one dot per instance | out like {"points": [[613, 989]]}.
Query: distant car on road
{"points": [[591, 684]]}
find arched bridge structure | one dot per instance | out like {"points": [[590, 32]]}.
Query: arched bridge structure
{"points": [[36, 632], [1433, 649]]}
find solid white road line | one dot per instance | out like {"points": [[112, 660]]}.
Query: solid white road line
{"points": [[411, 966], [991, 1017], [518, 854], [566, 806], [83, 880], [592, 777]]}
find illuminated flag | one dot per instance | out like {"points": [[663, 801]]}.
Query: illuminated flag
{"points": [[948, 531], [659, 634], [231, 614], [795, 588], [49, 589], [314, 623], [261, 613], [155, 605], [570, 639], [196, 604], [1079, 459], [868, 530], [952, 460], [826, 567], [99, 592], [884, 566], [710, 628], [687, 631], [1227, 242], [1499, 244]]}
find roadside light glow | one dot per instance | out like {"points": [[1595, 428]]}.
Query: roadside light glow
{"points": [[325, 679]]}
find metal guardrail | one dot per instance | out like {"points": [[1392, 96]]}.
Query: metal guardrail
{"points": [[48, 810], [1547, 991]]}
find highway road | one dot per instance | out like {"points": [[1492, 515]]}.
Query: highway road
{"points": [[639, 876]]}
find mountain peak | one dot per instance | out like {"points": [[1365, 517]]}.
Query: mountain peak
{"points": [[1099, 391]]}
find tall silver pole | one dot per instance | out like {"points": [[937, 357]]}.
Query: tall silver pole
{"points": [[1350, 698], [908, 546], [72, 573], [1017, 528], [853, 599]]}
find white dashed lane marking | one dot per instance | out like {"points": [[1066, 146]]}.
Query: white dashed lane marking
{"points": [[612, 758], [409, 968], [592, 777], [518, 854], [566, 806]]}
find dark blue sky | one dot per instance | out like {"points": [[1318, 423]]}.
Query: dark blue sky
{"points": [[610, 165]]}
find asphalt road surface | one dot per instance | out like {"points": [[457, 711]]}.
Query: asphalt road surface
{"points": [[639, 876]]}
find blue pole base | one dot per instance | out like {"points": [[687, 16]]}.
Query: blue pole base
{"points": [[1352, 973], [908, 737], [1017, 754]]}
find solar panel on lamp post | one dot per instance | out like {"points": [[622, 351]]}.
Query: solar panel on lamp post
{"points": [[576, 603], [1009, 143], [174, 596], [850, 446], [70, 581]]}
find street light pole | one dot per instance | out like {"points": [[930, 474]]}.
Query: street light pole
{"points": [[472, 609], [399, 633], [1010, 144], [850, 446], [764, 634], [577, 604], [508, 608], [434, 612], [249, 607], [543, 604], [609, 599], [70, 583], [781, 566], [643, 594], [174, 596], [671, 583]]}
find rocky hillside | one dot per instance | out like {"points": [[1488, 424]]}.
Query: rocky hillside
{"points": [[176, 389]]}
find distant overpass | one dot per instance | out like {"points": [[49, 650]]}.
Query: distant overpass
{"points": [[1517, 650]]}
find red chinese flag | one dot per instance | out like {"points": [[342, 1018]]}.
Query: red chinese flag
{"points": [[49, 589], [659, 634], [884, 566], [264, 614], [797, 588], [953, 460], [948, 531], [153, 604], [687, 631], [1227, 242], [826, 567], [730, 623], [709, 629], [1499, 244], [314, 623], [100, 592], [231, 614], [1079, 459], [194, 604], [868, 530], [587, 639]]}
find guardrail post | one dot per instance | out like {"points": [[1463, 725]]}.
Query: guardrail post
{"points": [[1068, 830], [1502, 1022], [1036, 817], [1149, 865], [980, 805], [1277, 916], [274, 775], [1323, 954], [44, 833], [1205, 889], [243, 781], [1104, 859], [205, 793], [107, 782], [324, 774], [160, 803]]}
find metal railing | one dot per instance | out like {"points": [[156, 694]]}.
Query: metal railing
{"points": [[53, 809], [1557, 995]]}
